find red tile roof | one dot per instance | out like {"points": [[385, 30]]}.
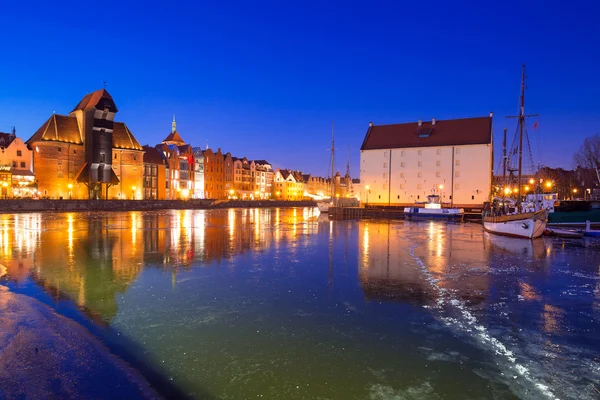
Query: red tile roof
{"points": [[58, 128], [153, 156], [175, 138], [91, 100], [453, 132], [122, 138]]}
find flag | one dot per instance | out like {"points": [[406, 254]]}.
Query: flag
{"points": [[536, 124]]}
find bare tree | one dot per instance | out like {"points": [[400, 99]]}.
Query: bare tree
{"points": [[588, 155]]}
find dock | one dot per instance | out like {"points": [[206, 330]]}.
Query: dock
{"points": [[386, 212]]}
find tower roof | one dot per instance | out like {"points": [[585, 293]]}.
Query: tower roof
{"points": [[99, 99]]}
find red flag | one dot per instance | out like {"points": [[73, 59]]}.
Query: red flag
{"points": [[536, 124]]}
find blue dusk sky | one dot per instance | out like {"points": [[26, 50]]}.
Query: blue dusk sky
{"points": [[265, 79]]}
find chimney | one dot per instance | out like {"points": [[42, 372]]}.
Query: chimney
{"points": [[371, 123], [491, 114], [432, 121], [419, 122]]}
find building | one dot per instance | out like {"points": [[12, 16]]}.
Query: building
{"points": [[213, 174], [288, 185], [179, 158], [154, 174], [404, 163], [264, 178], [16, 167], [86, 154], [198, 173], [228, 176]]}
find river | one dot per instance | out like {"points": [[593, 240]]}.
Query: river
{"points": [[284, 304]]}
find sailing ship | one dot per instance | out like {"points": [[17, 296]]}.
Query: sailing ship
{"points": [[521, 222], [325, 205]]}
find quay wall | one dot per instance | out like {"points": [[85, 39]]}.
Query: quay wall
{"points": [[29, 205]]}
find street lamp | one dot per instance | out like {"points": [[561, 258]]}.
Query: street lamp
{"points": [[527, 188], [531, 181], [70, 186]]}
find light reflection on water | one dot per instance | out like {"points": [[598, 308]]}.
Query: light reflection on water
{"points": [[283, 303]]}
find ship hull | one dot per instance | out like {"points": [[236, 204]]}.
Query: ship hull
{"points": [[529, 225]]}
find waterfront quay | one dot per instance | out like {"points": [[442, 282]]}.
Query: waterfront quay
{"points": [[284, 303]]}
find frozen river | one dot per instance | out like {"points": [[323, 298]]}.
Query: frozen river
{"points": [[280, 304]]}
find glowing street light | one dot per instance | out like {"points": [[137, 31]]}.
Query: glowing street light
{"points": [[441, 186], [531, 181], [515, 190], [527, 188], [575, 190], [506, 190], [548, 184]]}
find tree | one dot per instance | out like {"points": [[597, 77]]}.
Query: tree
{"points": [[588, 155]]}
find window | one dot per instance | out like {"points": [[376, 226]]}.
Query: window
{"points": [[419, 186], [402, 153], [59, 175], [438, 163], [22, 164], [438, 152], [60, 149], [401, 186], [385, 154], [115, 156], [419, 175], [456, 186], [420, 164], [437, 174], [74, 151], [472, 197], [102, 157], [19, 153], [420, 152], [14, 164], [402, 175], [384, 175], [402, 165], [384, 165], [457, 151], [457, 174], [457, 163]]}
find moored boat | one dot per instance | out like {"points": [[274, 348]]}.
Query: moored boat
{"points": [[520, 221], [433, 210], [564, 233], [590, 232]]}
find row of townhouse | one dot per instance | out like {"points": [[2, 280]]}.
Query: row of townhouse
{"points": [[86, 154]]}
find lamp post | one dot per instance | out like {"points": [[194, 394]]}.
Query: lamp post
{"points": [[231, 192], [70, 186]]}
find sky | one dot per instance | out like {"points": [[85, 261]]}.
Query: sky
{"points": [[265, 79]]}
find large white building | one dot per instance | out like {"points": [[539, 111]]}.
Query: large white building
{"points": [[404, 163]]}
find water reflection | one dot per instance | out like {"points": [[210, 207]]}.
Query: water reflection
{"points": [[92, 258]]}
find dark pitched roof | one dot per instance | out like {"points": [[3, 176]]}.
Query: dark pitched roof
{"points": [[153, 156], [122, 137], [185, 149], [58, 128], [6, 139], [261, 162], [453, 132], [175, 138], [98, 99]]}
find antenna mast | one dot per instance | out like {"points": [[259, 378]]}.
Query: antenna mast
{"points": [[332, 162]]}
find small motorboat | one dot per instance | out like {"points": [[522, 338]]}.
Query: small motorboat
{"points": [[433, 210], [563, 233]]}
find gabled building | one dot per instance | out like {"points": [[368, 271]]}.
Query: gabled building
{"points": [[17, 179], [404, 163], [198, 173], [86, 154], [289, 185], [214, 174], [180, 165], [155, 168], [264, 178]]}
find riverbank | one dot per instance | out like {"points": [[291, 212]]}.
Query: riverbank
{"points": [[44, 355], [30, 205]]}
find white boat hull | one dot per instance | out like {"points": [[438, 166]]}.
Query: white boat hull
{"points": [[530, 227]]}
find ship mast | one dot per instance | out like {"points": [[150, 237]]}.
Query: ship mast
{"points": [[521, 123], [332, 162]]}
